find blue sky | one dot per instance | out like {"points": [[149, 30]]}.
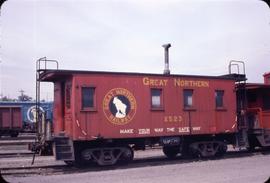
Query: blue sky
{"points": [[127, 36]]}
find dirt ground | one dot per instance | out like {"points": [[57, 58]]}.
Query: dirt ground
{"points": [[148, 166]]}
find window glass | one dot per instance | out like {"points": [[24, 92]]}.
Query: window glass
{"points": [[88, 94], [252, 97], [266, 102], [188, 99], [219, 98], [156, 98]]}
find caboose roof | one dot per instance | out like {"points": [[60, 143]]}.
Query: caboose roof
{"points": [[56, 75], [251, 86]]}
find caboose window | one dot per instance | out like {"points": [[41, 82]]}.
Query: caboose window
{"points": [[188, 99], [156, 98], [266, 102], [219, 98], [88, 94], [252, 97]]}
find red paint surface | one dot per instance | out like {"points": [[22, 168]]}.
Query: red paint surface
{"points": [[256, 105], [267, 78], [203, 118]]}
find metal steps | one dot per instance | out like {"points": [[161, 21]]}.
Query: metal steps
{"points": [[263, 137], [63, 148], [242, 139]]}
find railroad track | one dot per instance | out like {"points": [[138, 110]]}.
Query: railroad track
{"points": [[15, 154], [46, 170], [21, 137], [16, 141], [17, 138], [139, 162]]}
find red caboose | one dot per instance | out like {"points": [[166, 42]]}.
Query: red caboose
{"points": [[258, 113], [103, 116]]}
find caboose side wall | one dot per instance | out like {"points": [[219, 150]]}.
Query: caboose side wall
{"points": [[169, 120], [258, 102]]}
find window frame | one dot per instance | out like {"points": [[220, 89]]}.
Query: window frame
{"points": [[92, 108], [223, 103], [157, 108], [191, 107]]}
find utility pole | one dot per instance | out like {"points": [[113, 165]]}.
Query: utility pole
{"points": [[1, 3], [22, 92], [1, 93]]}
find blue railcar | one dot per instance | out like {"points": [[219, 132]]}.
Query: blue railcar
{"points": [[28, 111]]}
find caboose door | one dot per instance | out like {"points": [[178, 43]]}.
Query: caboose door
{"points": [[62, 107], [67, 108]]}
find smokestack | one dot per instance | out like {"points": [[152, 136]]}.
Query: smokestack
{"points": [[166, 54]]}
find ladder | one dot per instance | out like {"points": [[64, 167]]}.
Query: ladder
{"points": [[241, 101], [41, 144]]}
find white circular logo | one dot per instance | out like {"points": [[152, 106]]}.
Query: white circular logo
{"points": [[119, 106], [32, 113]]}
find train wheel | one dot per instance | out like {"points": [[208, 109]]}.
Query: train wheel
{"points": [[195, 152], [80, 153], [127, 155], [171, 151], [251, 148], [69, 163], [221, 150], [206, 149], [253, 143], [106, 155], [83, 158], [185, 150]]}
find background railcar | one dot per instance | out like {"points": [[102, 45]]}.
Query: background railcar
{"points": [[258, 113], [28, 113], [10, 120]]}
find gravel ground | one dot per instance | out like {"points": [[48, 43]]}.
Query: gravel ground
{"points": [[248, 169]]}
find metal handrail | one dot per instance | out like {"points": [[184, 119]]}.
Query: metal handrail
{"points": [[236, 63], [39, 71], [44, 59]]}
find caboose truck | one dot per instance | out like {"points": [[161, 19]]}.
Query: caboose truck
{"points": [[103, 116]]}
